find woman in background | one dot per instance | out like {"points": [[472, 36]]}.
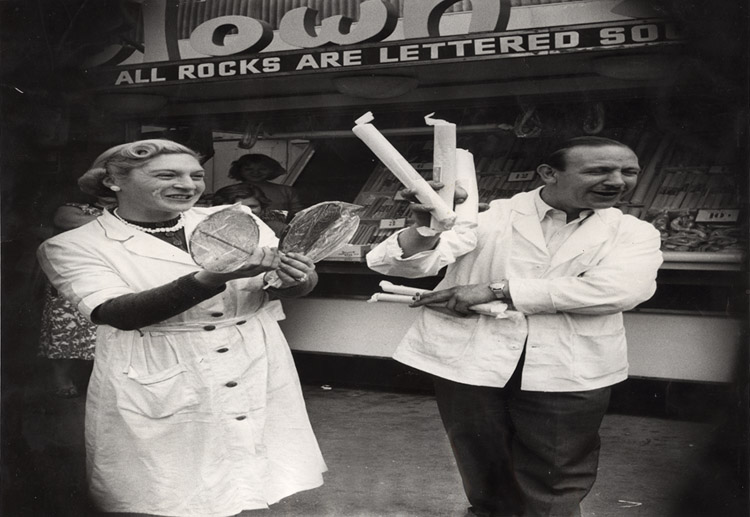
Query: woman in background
{"points": [[194, 407], [65, 335], [258, 170], [253, 198]]}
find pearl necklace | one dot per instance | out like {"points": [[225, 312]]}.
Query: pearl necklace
{"points": [[174, 228]]}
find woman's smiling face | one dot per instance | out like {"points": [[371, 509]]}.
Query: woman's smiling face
{"points": [[160, 189]]}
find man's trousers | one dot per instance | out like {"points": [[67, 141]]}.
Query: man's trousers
{"points": [[523, 452]]}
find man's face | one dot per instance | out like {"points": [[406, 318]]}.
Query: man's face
{"points": [[594, 178]]}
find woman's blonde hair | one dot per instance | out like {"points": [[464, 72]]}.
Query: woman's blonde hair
{"points": [[119, 160]]}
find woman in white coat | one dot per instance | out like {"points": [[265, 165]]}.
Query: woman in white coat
{"points": [[194, 406]]}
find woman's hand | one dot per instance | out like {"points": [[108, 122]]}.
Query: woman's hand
{"points": [[260, 260], [295, 277], [457, 299], [295, 269]]}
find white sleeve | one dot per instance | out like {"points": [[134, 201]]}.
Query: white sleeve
{"points": [[80, 275], [625, 277], [386, 257]]}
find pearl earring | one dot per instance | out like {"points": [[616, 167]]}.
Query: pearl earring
{"points": [[115, 188]]}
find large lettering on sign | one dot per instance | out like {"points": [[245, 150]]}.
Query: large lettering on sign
{"points": [[422, 18], [210, 37], [500, 45], [377, 20]]}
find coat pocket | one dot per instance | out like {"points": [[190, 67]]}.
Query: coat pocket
{"points": [[597, 356], [160, 394], [442, 336]]}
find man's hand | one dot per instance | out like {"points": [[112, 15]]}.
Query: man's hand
{"points": [[411, 241], [457, 299], [421, 212]]}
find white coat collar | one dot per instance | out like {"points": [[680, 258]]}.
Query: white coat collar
{"points": [[593, 230], [526, 221], [142, 243]]}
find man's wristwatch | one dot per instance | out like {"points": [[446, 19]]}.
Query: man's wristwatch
{"points": [[499, 288]]}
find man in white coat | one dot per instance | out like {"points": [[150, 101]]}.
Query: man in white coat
{"points": [[522, 397]]}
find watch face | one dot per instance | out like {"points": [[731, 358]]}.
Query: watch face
{"points": [[497, 288]]}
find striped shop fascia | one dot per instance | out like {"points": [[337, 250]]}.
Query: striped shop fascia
{"points": [[194, 12]]}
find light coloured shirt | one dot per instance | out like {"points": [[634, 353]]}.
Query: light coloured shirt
{"points": [[555, 228], [568, 303]]}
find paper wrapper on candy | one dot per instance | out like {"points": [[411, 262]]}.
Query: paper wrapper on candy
{"points": [[397, 164], [466, 178], [318, 231], [443, 160], [224, 240], [404, 294]]}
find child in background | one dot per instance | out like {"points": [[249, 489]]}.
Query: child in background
{"points": [[258, 170], [254, 198]]}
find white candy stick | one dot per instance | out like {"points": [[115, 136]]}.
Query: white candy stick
{"points": [[495, 309], [404, 294], [443, 160], [389, 287], [466, 178], [397, 164], [388, 297]]}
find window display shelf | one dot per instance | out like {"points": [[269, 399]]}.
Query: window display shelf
{"points": [[690, 193], [698, 260]]}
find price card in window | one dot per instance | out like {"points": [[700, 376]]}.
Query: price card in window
{"points": [[521, 176], [717, 215], [393, 224]]}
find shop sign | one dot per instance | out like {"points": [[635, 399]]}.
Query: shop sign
{"points": [[242, 35], [501, 45]]}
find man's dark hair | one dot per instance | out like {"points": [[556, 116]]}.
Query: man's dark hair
{"points": [[556, 158]]}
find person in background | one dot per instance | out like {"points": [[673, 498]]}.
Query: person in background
{"points": [[522, 397], [253, 198], [65, 335], [258, 170], [194, 406]]}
